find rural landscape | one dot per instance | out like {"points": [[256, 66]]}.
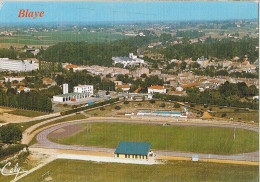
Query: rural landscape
{"points": [[147, 94]]}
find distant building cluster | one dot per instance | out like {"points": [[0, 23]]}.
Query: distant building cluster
{"points": [[231, 65], [131, 60], [97, 70], [7, 64], [34, 51], [7, 33]]}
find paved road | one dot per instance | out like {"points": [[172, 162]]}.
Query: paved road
{"points": [[43, 141]]}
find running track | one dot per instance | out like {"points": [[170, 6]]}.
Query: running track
{"points": [[43, 141]]}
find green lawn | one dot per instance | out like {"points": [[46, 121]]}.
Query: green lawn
{"points": [[241, 115], [82, 171], [27, 113], [25, 125], [212, 140], [235, 113]]}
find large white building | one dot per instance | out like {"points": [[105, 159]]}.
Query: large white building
{"points": [[16, 78], [79, 92], [84, 88], [7, 64], [156, 89], [128, 61]]}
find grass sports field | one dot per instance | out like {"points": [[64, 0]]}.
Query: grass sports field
{"points": [[71, 170], [214, 140]]}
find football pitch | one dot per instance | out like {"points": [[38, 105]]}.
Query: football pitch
{"points": [[210, 140]]}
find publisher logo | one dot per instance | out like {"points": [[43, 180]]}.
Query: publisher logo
{"points": [[15, 171]]}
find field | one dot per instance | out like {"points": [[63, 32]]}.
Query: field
{"points": [[65, 171], [11, 115], [172, 138], [234, 113], [50, 38], [132, 107], [26, 113]]}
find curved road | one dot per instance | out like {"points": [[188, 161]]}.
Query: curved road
{"points": [[44, 142]]}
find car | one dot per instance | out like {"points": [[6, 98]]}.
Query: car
{"points": [[166, 124]]}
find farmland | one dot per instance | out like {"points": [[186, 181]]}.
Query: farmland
{"points": [[50, 38]]}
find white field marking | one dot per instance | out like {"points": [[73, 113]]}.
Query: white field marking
{"points": [[107, 159]]}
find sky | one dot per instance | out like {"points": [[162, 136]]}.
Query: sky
{"points": [[128, 11]]}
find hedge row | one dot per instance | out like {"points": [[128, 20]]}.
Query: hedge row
{"points": [[11, 150], [111, 101]]}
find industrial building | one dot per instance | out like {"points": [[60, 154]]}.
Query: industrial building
{"points": [[7, 64], [80, 92], [133, 150]]}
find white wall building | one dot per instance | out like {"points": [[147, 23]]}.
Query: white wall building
{"points": [[7, 64], [17, 78], [79, 92], [65, 88], [156, 89], [83, 89]]}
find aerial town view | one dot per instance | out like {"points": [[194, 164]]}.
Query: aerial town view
{"points": [[129, 91]]}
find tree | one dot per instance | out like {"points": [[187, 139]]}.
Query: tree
{"points": [[119, 90], [117, 107], [10, 133], [162, 105], [165, 37], [183, 65], [177, 105], [143, 75], [152, 101], [252, 90], [59, 79], [195, 65]]}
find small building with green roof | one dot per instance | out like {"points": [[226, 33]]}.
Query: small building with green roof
{"points": [[133, 150]]}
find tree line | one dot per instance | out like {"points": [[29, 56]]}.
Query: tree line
{"points": [[189, 33], [224, 49], [33, 100], [11, 53], [84, 53]]}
